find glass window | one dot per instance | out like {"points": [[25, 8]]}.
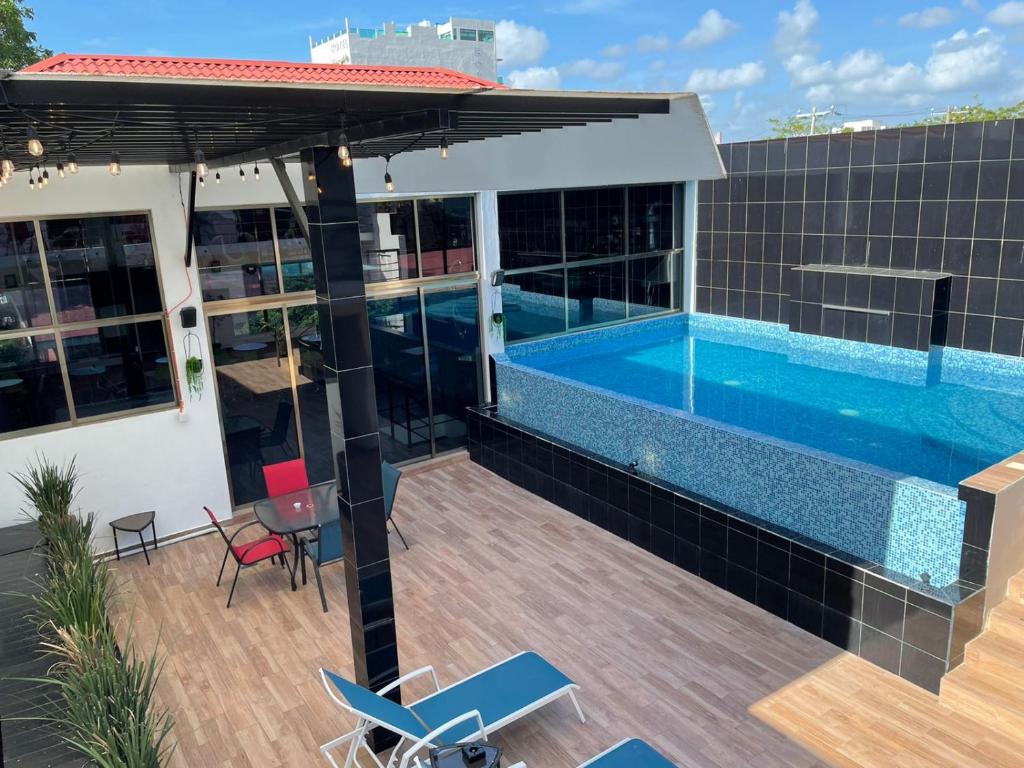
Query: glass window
{"points": [[101, 267], [255, 390], [23, 301], [445, 35], [530, 229], [533, 304], [308, 362], [453, 339], [296, 260], [31, 386], [399, 375], [486, 36], [594, 223], [387, 235], [650, 284], [650, 218], [467, 34], [235, 253], [597, 294], [446, 235], [118, 367]]}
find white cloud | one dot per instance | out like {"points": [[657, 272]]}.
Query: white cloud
{"points": [[711, 28], [971, 5], [653, 43], [936, 16], [591, 6], [519, 45], [795, 28], [616, 51], [957, 62], [539, 78], [595, 70], [710, 80], [963, 60], [1007, 14]]}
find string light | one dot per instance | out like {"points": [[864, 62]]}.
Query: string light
{"points": [[389, 183], [241, 173], [34, 145], [115, 164], [444, 146], [45, 177], [217, 177], [31, 182], [256, 171], [310, 176], [6, 165], [201, 168], [344, 153], [60, 169], [72, 164], [202, 181]]}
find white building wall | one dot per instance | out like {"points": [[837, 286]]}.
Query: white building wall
{"points": [[175, 464], [419, 46]]}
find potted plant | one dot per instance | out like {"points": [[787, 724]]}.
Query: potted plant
{"points": [[194, 376]]}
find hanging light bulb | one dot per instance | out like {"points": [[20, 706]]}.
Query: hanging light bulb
{"points": [[34, 145], [115, 164], [201, 168], [6, 165], [202, 181], [45, 177], [72, 164], [217, 177], [60, 169], [389, 183], [31, 182], [310, 176], [241, 173], [344, 153], [444, 146], [256, 171]]}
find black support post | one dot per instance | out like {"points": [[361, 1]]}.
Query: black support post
{"points": [[352, 408]]}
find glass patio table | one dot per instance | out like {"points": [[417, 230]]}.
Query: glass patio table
{"points": [[317, 505]]}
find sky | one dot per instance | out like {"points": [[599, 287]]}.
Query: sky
{"points": [[749, 60]]}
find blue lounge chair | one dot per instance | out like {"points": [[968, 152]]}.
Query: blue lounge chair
{"points": [[629, 753], [469, 709]]}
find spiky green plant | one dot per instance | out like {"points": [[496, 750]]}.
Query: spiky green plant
{"points": [[107, 692], [78, 591], [50, 490]]}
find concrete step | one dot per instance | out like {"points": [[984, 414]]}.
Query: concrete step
{"points": [[988, 696], [1007, 620]]}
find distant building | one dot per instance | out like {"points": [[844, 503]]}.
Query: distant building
{"points": [[465, 45], [860, 125]]}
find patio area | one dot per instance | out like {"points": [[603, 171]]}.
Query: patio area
{"points": [[705, 677]]}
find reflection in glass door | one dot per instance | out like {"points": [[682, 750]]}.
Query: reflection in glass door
{"points": [[255, 391], [399, 372], [308, 369], [453, 351]]}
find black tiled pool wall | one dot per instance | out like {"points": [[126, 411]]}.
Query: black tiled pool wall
{"points": [[943, 198], [903, 626]]}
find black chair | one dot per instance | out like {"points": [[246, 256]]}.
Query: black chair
{"points": [[277, 436], [391, 476]]}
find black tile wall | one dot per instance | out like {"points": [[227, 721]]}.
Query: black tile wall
{"points": [[946, 197], [899, 624]]}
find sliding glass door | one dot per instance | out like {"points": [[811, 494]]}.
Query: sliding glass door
{"points": [[453, 360]]}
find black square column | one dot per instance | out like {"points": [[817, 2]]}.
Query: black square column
{"points": [[352, 409]]}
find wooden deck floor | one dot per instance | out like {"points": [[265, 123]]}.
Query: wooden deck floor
{"points": [[707, 678]]}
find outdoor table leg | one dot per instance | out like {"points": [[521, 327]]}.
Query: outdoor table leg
{"points": [[295, 564]]}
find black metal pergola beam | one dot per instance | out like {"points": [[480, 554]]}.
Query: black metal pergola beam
{"points": [[151, 121]]}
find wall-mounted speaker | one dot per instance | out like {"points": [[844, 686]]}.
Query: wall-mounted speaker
{"points": [[188, 317]]}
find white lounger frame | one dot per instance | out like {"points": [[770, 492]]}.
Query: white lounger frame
{"points": [[356, 738]]}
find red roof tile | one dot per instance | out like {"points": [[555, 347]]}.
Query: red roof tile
{"points": [[258, 71]]}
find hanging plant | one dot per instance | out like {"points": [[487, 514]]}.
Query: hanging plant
{"points": [[497, 322], [193, 367]]}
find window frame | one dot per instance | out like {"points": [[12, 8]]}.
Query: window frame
{"points": [[675, 254], [57, 328]]}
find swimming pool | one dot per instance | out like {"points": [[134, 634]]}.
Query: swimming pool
{"points": [[856, 445]]}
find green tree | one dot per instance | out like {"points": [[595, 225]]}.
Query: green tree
{"points": [[973, 113], [782, 127], [18, 46]]}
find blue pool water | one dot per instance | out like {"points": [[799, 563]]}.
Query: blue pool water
{"points": [[901, 413]]}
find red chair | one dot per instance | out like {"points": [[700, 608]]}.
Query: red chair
{"points": [[285, 477], [250, 553]]}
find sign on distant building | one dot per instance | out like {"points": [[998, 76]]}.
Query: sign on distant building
{"points": [[465, 45]]}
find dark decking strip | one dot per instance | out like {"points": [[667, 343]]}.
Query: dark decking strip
{"points": [[26, 743]]}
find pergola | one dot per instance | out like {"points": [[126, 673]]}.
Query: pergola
{"points": [[168, 120]]}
